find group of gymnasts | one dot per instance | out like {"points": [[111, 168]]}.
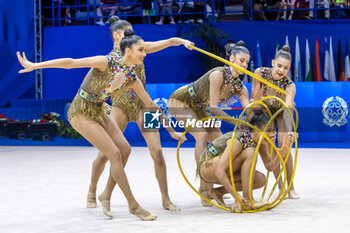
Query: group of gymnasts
{"points": [[120, 76]]}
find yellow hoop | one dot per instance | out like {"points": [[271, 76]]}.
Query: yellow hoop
{"points": [[278, 199], [240, 69]]}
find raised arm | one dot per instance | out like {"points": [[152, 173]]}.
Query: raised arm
{"points": [[98, 62], [216, 80], [146, 99], [152, 47]]}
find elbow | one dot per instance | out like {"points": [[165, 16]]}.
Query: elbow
{"points": [[213, 108], [152, 105], [69, 63], [172, 41]]}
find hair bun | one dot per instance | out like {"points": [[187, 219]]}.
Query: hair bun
{"points": [[129, 32], [229, 46], [240, 43], [113, 19], [286, 48], [259, 111]]}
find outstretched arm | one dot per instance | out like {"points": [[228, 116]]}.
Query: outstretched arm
{"points": [[146, 99], [98, 62], [152, 47]]}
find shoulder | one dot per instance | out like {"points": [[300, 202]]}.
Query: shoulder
{"points": [[216, 76]]}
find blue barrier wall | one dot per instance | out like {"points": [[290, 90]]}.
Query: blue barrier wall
{"points": [[309, 100], [16, 33], [176, 65]]}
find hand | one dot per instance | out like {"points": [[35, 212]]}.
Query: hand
{"points": [[187, 44], [27, 65], [237, 206], [291, 134], [178, 136]]}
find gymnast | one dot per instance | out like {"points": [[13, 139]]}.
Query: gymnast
{"points": [[87, 113], [278, 75], [213, 165]]}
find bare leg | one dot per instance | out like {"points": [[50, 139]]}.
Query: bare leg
{"points": [[284, 126], [180, 110], [121, 119], [98, 136], [100, 162], [152, 139], [97, 169]]}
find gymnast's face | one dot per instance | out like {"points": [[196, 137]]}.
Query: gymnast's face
{"points": [[240, 59], [137, 52], [280, 67]]}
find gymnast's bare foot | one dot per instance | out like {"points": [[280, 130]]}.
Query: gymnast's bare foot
{"points": [[143, 214], [204, 202], [91, 200], [258, 204], [168, 205], [218, 196], [106, 206], [293, 195]]}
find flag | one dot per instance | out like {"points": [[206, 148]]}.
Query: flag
{"points": [[289, 74], [258, 56], [326, 62], [308, 66], [347, 61], [317, 75], [331, 62], [340, 64], [297, 63]]}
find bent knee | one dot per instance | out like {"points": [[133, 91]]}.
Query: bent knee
{"points": [[158, 157], [260, 179], [201, 136], [101, 159]]}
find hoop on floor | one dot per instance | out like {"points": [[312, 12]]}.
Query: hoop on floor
{"points": [[278, 199]]}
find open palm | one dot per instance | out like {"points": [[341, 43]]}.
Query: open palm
{"points": [[27, 65]]}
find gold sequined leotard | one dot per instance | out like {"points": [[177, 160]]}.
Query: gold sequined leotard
{"points": [[231, 86], [274, 105], [127, 99], [217, 147], [95, 84]]}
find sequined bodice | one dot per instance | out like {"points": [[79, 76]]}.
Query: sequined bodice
{"points": [[266, 73], [231, 86]]}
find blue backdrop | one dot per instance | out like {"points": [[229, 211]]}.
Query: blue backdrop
{"points": [[16, 33], [173, 65], [176, 65]]}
